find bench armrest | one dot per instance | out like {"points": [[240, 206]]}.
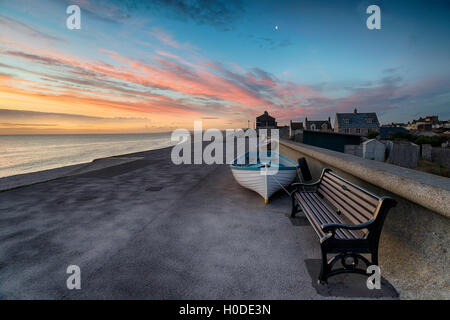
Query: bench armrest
{"points": [[331, 227], [296, 185], [301, 184]]}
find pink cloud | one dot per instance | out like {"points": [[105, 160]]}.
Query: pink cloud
{"points": [[164, 37]]}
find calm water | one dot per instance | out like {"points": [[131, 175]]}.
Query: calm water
{"points": [[26, 153]]}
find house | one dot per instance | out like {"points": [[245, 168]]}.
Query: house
{"points": [[356, 123], [424, 124], [397, 125], [265, 121], [318, 125], [295, 128]]}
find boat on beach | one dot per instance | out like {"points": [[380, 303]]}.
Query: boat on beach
{"points": [[264, 175]]}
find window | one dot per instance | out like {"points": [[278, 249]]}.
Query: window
{"points": [[346, 120], [324, 127], [358, 130], [346, 130], [369, 120], [313, 127]]}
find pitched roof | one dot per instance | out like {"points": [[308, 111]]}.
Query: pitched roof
{"points": [[356, 119], [265, 117], [385, 131]]}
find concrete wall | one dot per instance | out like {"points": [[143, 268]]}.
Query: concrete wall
{"points": [[426, 152], [355, 150], [414, 253], [441, 156]]}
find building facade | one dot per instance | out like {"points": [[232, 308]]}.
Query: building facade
{"points": [[356, 123], [318, 125], [295, 128], [265, 121]]}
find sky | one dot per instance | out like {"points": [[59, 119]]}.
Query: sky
{"points": [[155, 66]]}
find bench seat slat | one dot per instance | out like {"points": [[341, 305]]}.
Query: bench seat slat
{"points": [[351, 213], [336, 202], [333, 217], [367, 208], [310, 217], [321, 213], [360, 213], [369, 197]]}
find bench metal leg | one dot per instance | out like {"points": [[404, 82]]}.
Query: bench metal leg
{"points": [[375, 256], [328, 271], [295, 208], [325, 268]]}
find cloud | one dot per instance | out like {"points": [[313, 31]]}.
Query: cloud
{"points": [[164, 37], [270, 43], [220, 14], [20, 125], [391, 70], [31, 31], [33, 57], [27, 115], [103, 11], [267, 42], [168, 84]]}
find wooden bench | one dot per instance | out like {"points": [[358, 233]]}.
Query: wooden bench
{"points": [[347, 218]]}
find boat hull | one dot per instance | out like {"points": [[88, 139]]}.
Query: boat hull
{"points": [[264, 185]]}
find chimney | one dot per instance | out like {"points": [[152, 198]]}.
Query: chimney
{"points": [[356, 111]]}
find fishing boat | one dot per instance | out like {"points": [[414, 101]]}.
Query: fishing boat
{"points": [[264, 175]]}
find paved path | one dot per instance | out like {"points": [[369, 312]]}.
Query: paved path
{"points": [[148, 229]]}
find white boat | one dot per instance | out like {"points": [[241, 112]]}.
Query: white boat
{"points": [[264, 176]]}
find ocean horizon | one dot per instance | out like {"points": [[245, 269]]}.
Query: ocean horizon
{"points": [[21, 154]]}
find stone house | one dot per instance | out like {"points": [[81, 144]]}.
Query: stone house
{"points": [[356, 123], [265, 121], [318, 125]]}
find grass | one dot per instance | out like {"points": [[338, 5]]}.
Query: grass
{"points": [[434, 168]]}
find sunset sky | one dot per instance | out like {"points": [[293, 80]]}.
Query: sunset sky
{"points": [[153, 66]]}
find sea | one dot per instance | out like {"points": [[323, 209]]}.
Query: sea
{"points": [[29, 153]]}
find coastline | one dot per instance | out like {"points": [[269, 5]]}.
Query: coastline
{"points": [[41, 176]]}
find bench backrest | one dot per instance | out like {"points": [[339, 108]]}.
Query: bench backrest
{"points": [[357, 204]]}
